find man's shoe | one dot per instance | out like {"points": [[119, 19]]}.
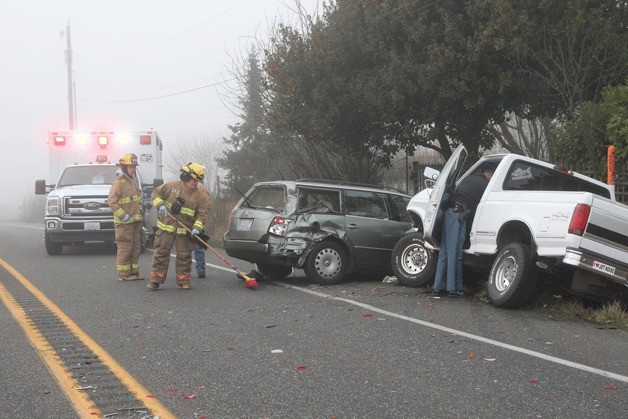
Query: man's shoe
{"points": [[184, 286], [439, 293], [455, 294], [201, 274], [152, 286]]}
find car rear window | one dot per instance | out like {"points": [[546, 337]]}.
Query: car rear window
{"points": [[267, 197], [526, 176]]}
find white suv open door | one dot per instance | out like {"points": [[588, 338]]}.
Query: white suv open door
{"points": [[446, 182]]}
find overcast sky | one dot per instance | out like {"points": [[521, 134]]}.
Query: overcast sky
{"points": [[132, 59]]}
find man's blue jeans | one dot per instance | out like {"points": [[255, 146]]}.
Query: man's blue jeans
{"points": [[199, 257], [450, 253]]}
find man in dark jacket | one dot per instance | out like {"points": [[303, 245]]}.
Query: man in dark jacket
{"points": [[458, 209]]}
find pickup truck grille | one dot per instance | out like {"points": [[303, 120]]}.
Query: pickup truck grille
{"points": [[86, 207]]}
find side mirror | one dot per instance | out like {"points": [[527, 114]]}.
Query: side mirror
{"points": [[40, 187], [430, 173]]}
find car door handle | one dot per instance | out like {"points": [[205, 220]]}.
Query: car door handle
{"points": [[353, 226]]}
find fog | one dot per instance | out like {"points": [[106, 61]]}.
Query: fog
{"points": [[136, 65]]}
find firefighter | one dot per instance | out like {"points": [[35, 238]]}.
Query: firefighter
{"points": [[182, 206], [125, 200]]}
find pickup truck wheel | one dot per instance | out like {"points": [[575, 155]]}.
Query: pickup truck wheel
{"points": [[274, 271], [412, 263], [53, 248], [326, 264], [513, 277]]}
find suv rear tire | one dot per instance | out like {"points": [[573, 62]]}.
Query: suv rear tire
{"points": [[326, 264]]}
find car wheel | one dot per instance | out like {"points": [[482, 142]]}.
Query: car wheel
{"points": [[53, 248], [274, 271], [412, 263], [326, 264], [513, 276]]}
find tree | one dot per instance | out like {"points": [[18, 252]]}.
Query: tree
{"points": [[528, 137], [585, 139], [253, 154], [567, 51]]}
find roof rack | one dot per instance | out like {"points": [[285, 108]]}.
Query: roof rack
{"points": [[342, 182]]}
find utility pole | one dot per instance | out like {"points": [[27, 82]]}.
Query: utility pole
{"points": [[68, 60]]}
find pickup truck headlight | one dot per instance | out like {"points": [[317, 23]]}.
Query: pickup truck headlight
{"points": [[52, 206]]}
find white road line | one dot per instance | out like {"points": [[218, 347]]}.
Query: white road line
{"points": [[535, 354]]}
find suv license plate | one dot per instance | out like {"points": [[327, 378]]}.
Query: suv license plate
{"points": [[244, 224], [92, 226]]}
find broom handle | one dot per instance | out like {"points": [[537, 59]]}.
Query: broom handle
{"points": [[246, 278]]}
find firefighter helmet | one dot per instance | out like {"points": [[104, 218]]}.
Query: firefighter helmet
{"points": [[194, 170], [128, 159]]}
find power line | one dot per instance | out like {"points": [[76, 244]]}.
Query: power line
{"points": [[158, 97]]}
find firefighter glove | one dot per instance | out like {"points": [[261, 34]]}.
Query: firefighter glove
{"points": [[126, 218], [195, 232], [163, 211]]}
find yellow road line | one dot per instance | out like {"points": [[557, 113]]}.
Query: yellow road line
{"points": [[80, 401], [125, 378]]}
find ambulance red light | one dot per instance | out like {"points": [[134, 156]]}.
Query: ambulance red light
{"points": [[58, 140], [103, 141], [145, 139]]}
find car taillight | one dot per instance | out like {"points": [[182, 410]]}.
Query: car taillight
{"points": [[278, 226], [579, 219]]}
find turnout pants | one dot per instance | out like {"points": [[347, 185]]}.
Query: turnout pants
{"points": [[164, 242], [129, 248]]}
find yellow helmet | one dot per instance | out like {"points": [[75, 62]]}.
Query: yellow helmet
{"points": [[194, 170], [128, 159]]}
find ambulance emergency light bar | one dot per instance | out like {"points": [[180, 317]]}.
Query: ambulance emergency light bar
{"points": [[60, 139]]}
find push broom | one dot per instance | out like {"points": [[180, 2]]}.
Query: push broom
{"points": [[248, 281]]}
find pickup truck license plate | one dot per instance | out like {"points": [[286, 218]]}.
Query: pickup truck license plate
{"points": [[92, 226], [244, 224], [603, 267]]}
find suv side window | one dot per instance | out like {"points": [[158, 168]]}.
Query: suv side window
{"points": [[309, 197], [401, 204], [524, 176], [367, 204]]}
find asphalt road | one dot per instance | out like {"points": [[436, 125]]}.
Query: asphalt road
{"points": [[295, 349]]}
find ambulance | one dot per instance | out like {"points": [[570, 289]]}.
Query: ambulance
{"points": [[83, 167]]}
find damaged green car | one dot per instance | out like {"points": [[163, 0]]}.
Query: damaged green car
{"points": [[326, 228]]}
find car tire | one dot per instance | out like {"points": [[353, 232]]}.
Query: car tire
{"points": [[53, 248], [513, 276], [412, 263], [274, 271], [326, 264]]}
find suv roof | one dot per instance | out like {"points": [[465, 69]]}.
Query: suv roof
{"points": [[324, 183]]}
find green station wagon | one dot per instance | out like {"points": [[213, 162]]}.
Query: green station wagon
{"points": [[327, 228]]}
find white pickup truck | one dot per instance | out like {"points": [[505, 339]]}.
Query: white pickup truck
{"points": [[533, 217]]}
